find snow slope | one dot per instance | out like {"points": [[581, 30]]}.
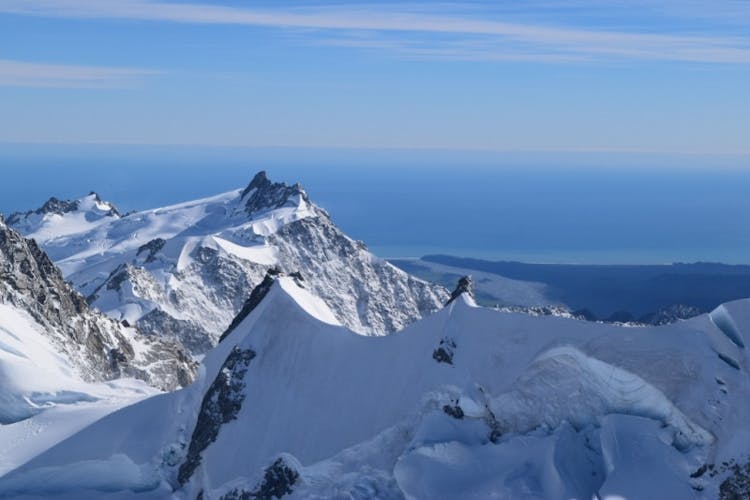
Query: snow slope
{"points": [[62, 365], [43, 399], [184, 271], [466, 403]]}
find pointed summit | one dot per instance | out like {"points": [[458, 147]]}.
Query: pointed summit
{"points": [[262, 194], [260, 181], [465, 285]]}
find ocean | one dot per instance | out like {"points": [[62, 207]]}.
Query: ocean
{"points": [[550, 209]]}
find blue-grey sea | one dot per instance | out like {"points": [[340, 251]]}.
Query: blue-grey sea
{"points": [[550, 207]]}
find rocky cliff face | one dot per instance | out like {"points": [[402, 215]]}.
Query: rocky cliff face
{"points": [[99, 347], [184, 272]]}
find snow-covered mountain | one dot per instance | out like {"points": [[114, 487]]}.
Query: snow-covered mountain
{"points": [[61, 217], [58, 356], [98, 347], [466, 403], [184, 271]]}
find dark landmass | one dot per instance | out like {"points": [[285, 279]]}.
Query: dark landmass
{"points": [[611, 292]]}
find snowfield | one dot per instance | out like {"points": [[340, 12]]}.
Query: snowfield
{"points": [[466, 403], [43, 400]]}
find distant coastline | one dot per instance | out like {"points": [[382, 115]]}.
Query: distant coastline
{"points": [[605, 292]]}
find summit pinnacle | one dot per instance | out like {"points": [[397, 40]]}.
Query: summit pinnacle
{"points": [[465, 285]]}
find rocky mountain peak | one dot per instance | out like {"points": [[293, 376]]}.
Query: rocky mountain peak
{"points": [[100, 203], [57, 206], [465, 285], [260, 181], [262, 194]]}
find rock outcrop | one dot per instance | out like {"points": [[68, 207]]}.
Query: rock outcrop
{"points": [[99, 347], [464, 286]]}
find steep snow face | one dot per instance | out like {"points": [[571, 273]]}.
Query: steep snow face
{"points": [[97, 347], [184, 271], [515, 407]]}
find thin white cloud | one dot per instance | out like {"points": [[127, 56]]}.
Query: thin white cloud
{"points": [[31, 74], [503, 40]]}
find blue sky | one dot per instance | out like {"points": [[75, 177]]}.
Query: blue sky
{"points": [[605, 76]]}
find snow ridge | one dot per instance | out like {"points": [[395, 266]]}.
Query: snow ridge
{"points": [[529, 407]]}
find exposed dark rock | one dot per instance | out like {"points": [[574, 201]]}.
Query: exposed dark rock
{"points": [[116, 278], [737, 485], [444, 352], [113, 210], [262, 194], [699, 472], [298, 278], [278, 480], [117, 356], [152, 247], [221, 404], [256, 296], [337, 271], [454, 411], [465, 285], [95, 344], [495, 432], [159, 324], [60, 207]]}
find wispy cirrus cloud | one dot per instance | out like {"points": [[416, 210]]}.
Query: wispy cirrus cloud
{"points": [[468, 35], [15, 73]]}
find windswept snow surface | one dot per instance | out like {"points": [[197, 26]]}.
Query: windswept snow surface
{"points": [[184, 271], [43, 400], [514, 407]]}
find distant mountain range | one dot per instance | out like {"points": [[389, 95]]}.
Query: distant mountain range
{"points": [[653, 294]]}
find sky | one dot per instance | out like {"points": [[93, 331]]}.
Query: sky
{"points": [[605, 76]]}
